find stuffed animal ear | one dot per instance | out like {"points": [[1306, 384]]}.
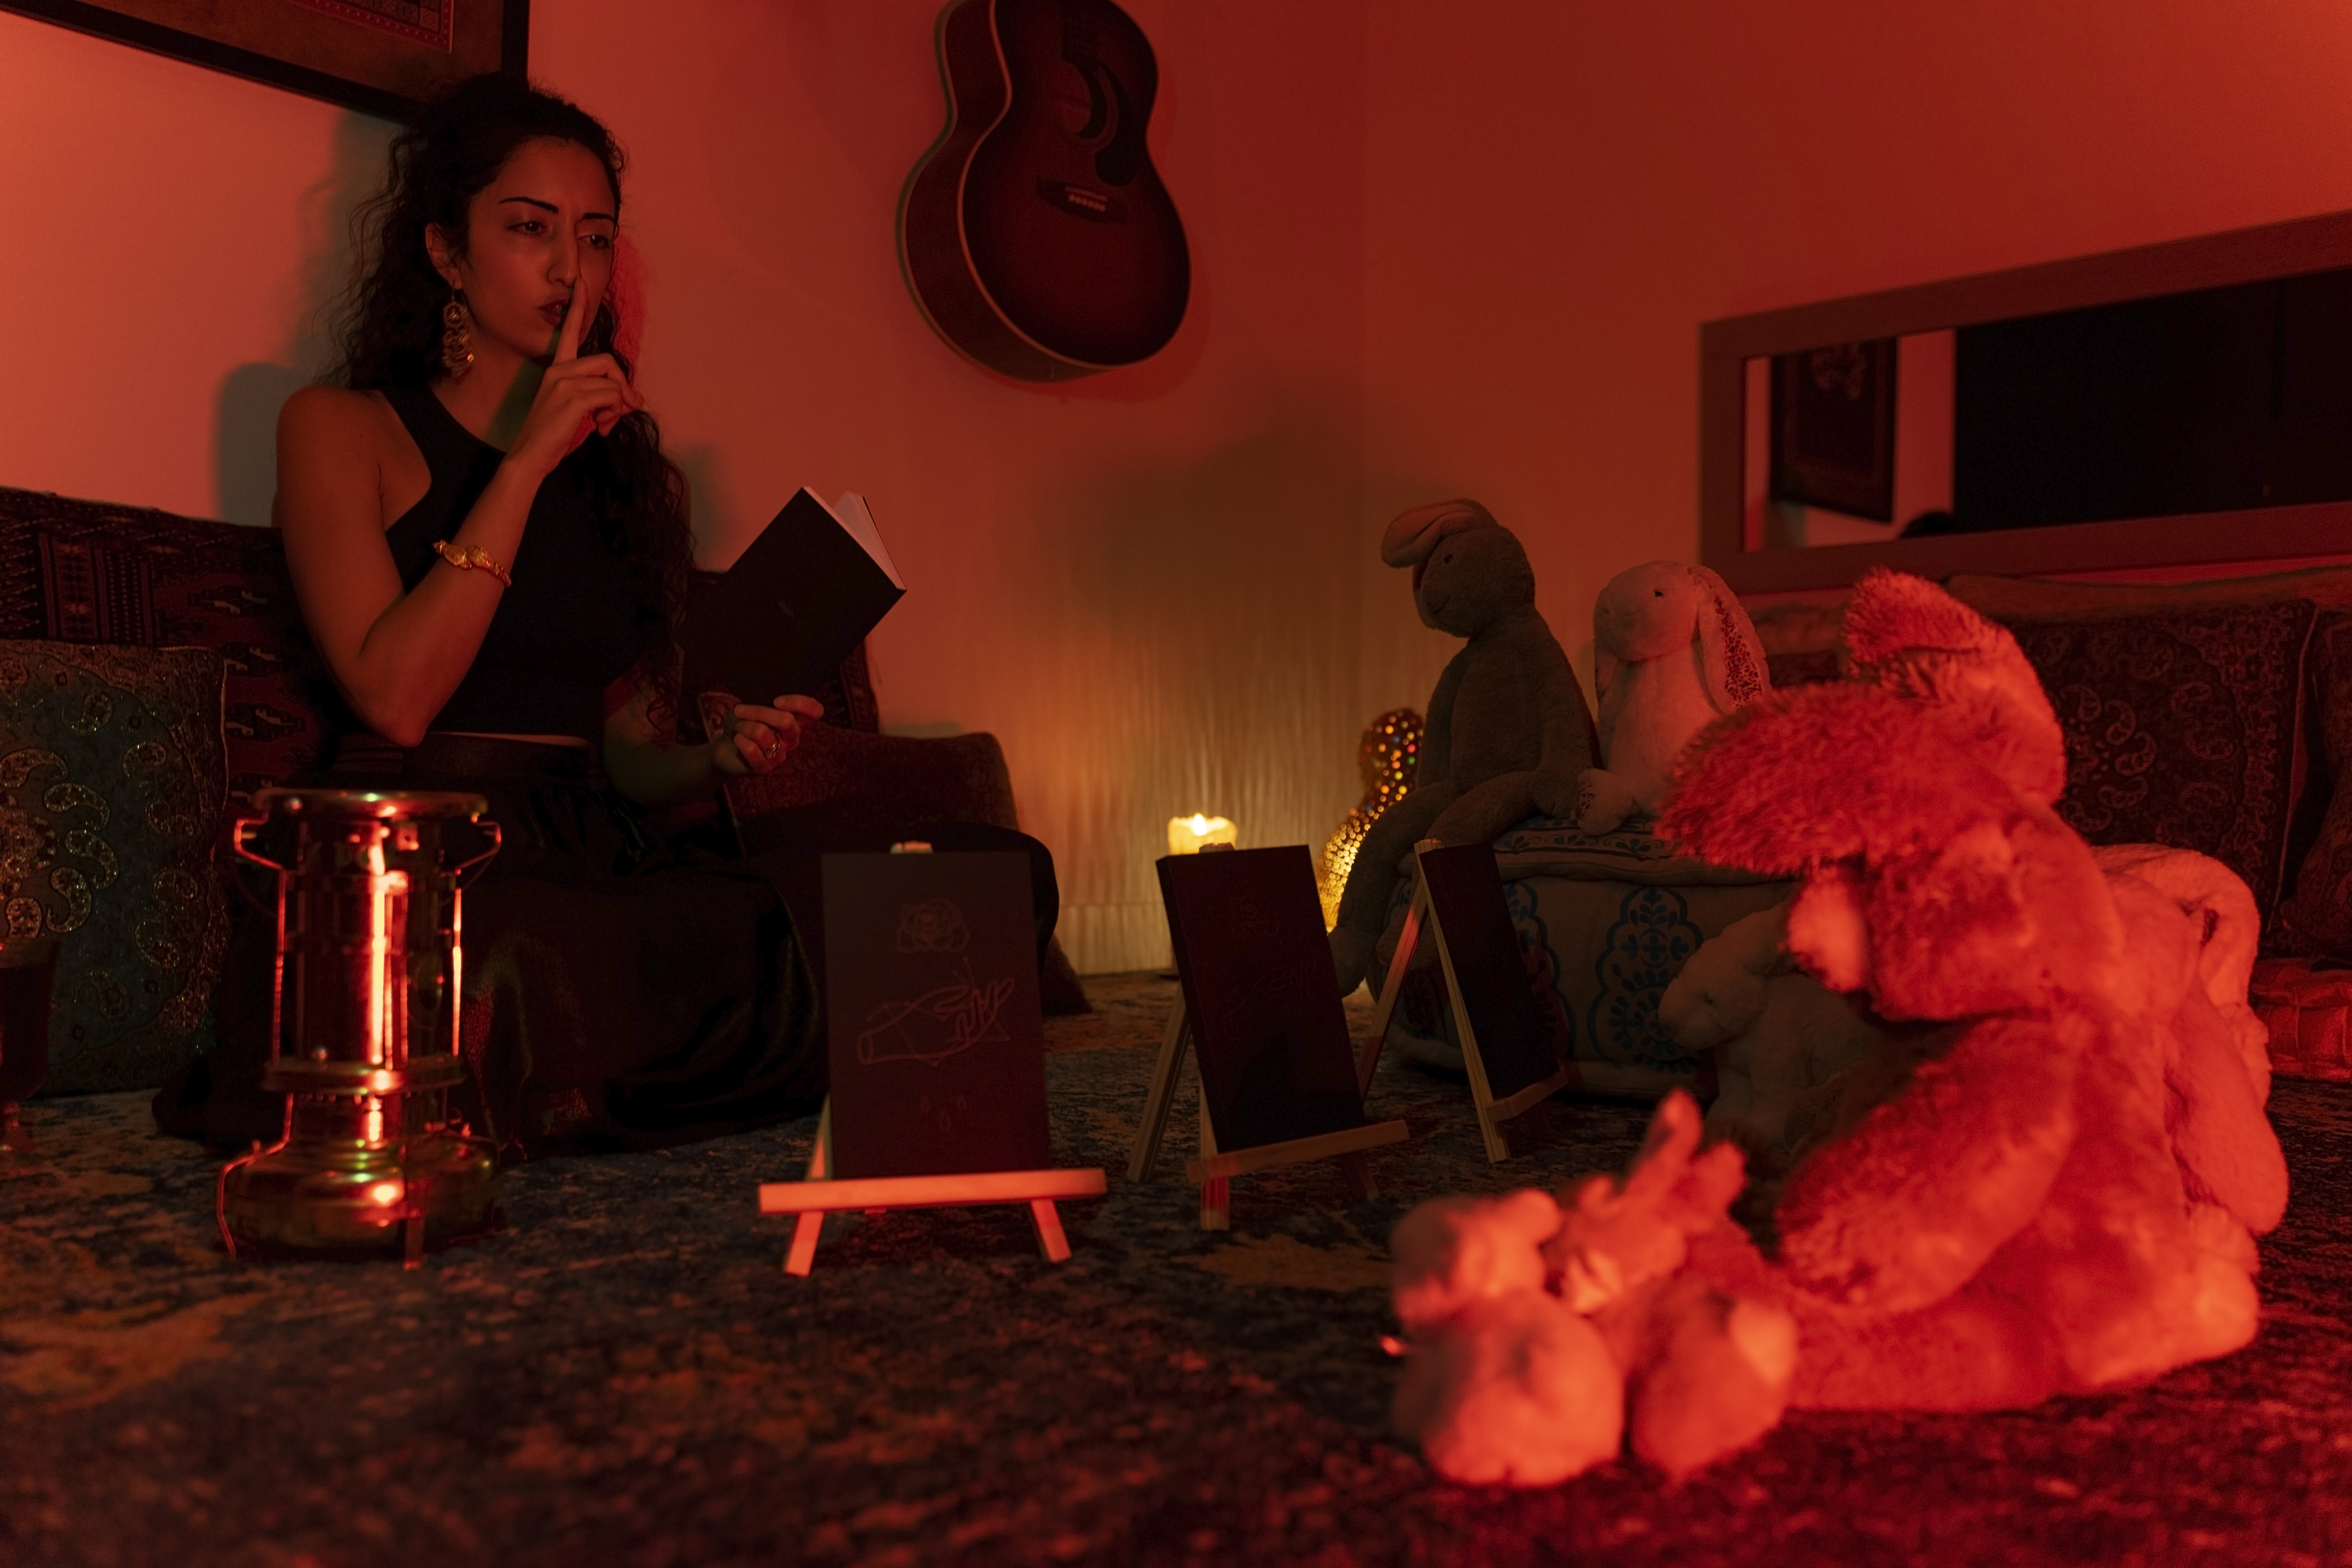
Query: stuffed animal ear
{"points": [[1605, 668], [1731, 659], [1833, 772], [1410, 539], [1906, 633], [1893, 613]]}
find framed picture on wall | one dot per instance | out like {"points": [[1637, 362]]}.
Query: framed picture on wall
{"points": [[388, 58], [1833, 428]]}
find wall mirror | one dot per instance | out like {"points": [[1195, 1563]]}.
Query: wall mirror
{"points": [[2180, 403]]}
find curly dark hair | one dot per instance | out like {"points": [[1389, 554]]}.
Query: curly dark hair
{"points": [[390, 327]]}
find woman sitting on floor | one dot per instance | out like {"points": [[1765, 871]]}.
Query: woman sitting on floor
{"points": [[491, 554]]}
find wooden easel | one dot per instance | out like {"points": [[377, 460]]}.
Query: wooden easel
{"points": [[1212, 1171], [1492, 1113], [820, 1194]]}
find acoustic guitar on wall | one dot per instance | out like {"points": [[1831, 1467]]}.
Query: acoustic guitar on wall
{"points": [[1035, 233]]}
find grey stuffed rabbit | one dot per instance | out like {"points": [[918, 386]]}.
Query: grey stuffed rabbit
{"points": [[1510, 731]]}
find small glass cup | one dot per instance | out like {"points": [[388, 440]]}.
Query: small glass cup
{"points": [[29, 972]]}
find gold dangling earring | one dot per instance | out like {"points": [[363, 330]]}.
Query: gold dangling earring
{"points": [[456, 337]]}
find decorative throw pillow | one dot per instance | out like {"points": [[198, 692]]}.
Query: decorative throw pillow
{"points": [[2011, 599], [2183, 726], [111, 787], [87, 572], [1807, 668], [2315, 917]]}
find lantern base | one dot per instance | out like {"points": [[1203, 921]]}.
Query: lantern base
{"points": [[341, 1197]]}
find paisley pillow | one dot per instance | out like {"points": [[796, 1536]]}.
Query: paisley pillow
{"points": [[2183, 726], [111, 787]]}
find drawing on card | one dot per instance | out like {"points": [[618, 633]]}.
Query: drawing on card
{"points": [[1252, 921], [935, 925], [945, 1021], [945, 1113]]}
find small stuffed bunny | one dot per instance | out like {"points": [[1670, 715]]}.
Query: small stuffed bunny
{"points": [[1509, 731], [1672, 652], [1540, 1332]]}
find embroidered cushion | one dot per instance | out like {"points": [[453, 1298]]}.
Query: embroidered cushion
{"points": [[2183, 726], [85, 571], [112, 789], [1605, 922]]}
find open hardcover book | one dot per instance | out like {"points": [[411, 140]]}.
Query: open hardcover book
{"points": [[804, 593]]}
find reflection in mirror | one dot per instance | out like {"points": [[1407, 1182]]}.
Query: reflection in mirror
{"points": [[2215, 400], [1851, 444]]}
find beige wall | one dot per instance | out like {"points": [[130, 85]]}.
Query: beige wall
{"points": [[170, 229], [1143, 583], [1438, 250], [1560, 194]]}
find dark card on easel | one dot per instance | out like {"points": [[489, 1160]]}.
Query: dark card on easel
{"points": [[1268, 1029], [931, 1023], [1465, 893]]}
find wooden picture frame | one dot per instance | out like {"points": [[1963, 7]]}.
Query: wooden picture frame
{"points": [[1485, 978], [2240, 256], [386, 57], [1833, 428]]}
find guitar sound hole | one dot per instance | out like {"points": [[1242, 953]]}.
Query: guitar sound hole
{"points": [[1079, 103]]}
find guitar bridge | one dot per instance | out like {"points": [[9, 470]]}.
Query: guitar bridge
{"points": [[1079, 202]]}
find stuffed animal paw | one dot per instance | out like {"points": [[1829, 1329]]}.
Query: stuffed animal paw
{"points": [[1515, 1390], [1604, 801], [1453, 1251], [1716, 1379], [1529, 1321]]}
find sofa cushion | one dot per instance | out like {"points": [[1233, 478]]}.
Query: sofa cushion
{"points": [[1808, 667], [2004, 598], [85, 571], [2306, 1005], [111, 787], [840, 785], [2183, 726]]}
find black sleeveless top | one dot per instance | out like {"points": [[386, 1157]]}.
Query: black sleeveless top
{"points": [[568, 627]]}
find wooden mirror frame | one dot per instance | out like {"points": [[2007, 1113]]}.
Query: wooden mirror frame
{"points": [[2240, 256]]}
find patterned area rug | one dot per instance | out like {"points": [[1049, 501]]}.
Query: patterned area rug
{"points": [[625, 1376]]}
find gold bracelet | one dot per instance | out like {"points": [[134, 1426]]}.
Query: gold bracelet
{"points": [[472, 558]]}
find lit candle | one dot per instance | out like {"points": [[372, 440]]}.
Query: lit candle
{"points": [[1186, 835]]}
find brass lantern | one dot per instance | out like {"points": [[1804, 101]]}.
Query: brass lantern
{"points": [[364, 1017]]}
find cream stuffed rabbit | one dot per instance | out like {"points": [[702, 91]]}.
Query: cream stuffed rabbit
{"points": [[1673, 651]]}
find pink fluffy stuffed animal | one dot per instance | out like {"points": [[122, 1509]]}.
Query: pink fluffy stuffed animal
{"points": [[2043, 1175], [2046, 1176]]}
